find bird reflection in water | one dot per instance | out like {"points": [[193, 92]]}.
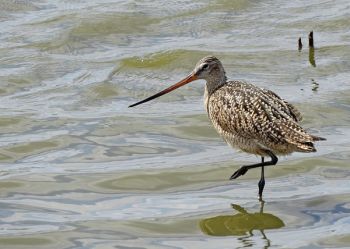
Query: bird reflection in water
{"points": [[241, 224]]}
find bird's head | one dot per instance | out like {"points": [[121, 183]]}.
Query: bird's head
{"points": [[209, 68]]}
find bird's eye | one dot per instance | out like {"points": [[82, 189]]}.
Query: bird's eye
{"points": [[205, 66]]}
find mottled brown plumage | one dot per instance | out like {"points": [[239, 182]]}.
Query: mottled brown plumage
{"points": [[249, 118], [255, 120]]}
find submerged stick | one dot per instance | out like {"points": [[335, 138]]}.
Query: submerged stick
{"points": [[312, 49], [300, 45], [312, 56], [311, 39]]}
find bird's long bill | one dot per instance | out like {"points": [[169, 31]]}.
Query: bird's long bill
{"points": [[185, 81]]}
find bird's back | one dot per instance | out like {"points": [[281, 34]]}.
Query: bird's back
{"points": [[255, 120]]}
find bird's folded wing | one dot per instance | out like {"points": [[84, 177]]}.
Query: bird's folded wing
{"points": [[255, 113]]}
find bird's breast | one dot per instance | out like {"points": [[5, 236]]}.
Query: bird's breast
{"points": [[206, 99]]}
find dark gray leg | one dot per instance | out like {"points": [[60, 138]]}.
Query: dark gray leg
{"points": [[242, 170], [262, 180]]}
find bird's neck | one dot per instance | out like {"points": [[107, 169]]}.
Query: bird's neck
{"points": [[213, 83]]}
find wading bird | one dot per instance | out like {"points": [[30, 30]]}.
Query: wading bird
{"points": [[249, 118]]}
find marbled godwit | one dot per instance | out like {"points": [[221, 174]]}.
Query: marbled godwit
{"points": [[252, 119]]}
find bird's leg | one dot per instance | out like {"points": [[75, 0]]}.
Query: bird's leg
{"points": [[262, 180], [242, 170]]}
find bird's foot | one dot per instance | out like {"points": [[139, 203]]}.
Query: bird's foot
{"points": [[241, 171]]}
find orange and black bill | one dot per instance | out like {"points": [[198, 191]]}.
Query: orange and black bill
{"points": [[185, 81]]}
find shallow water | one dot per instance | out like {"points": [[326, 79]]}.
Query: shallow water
{"points": [[81, 170]]}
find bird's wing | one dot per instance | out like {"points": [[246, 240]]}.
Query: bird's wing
{"points": [[293, 111], [253, 113]]}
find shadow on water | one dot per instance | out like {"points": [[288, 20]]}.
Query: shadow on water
{"points": [[312, 56], [242, 224]]}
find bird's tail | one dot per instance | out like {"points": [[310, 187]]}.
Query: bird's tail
{"points": [[316, 138], [296, 136], [307, 145]]}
